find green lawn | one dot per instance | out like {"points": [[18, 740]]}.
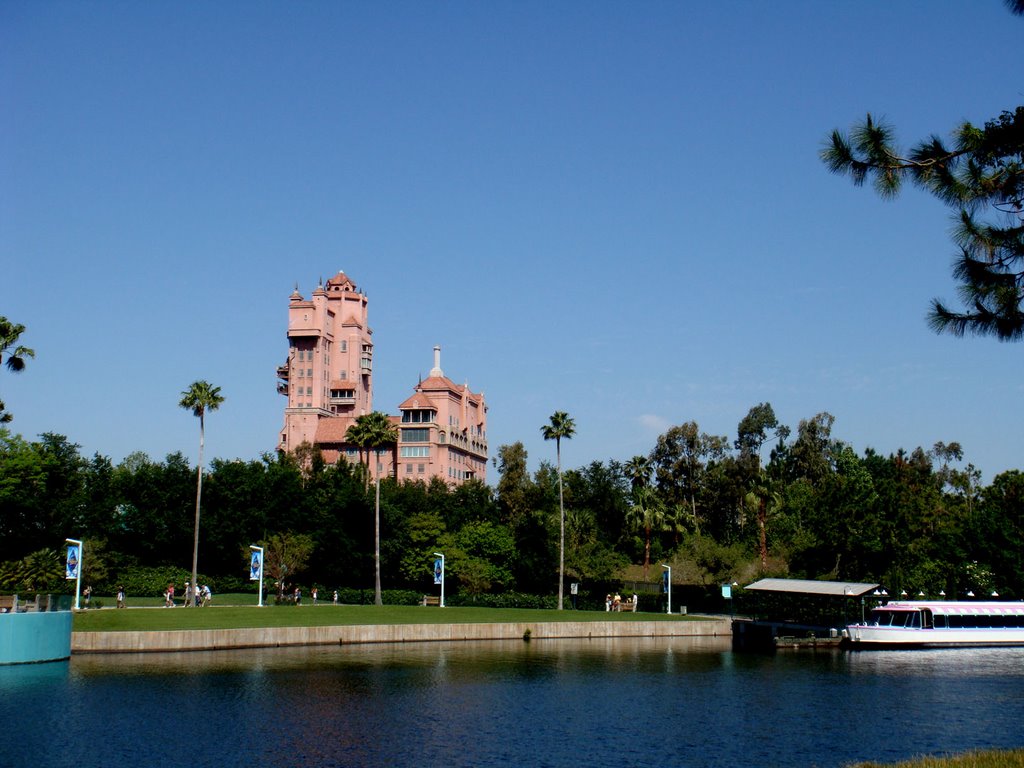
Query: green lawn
{"points": [[232, 616], [1010, 759]]}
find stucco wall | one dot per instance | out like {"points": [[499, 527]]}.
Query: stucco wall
{"points": [[31, 637], [218, 639]]}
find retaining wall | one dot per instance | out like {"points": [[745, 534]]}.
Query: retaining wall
{"points": [[272, 637]]}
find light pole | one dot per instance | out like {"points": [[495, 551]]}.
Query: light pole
{"points": [[256, 570], [73, 569], [668, 586], [439, 576]]}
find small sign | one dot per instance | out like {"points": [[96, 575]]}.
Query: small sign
{"points": [[727, 591]]}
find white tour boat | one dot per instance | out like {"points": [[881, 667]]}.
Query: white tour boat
{"points": [[939, 624]]}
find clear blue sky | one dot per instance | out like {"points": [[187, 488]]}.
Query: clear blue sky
{"points": [[612, 209]]}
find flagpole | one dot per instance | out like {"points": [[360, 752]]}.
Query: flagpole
{"points": [[78, 570], [438, 554]]}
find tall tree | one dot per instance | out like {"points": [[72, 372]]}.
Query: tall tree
{"points": [[376, 432], [681, 459], [638, 470], [12, 354], [514, 484], [199, 398], [648, 515], [761, 499], [982, 171], [560, 426]]}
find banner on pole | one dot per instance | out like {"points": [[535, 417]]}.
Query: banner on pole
{"points": [[73, 563], [664, 581], [255, 567], [437, 571]]}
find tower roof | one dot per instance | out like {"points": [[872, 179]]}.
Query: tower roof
{"points": [[341, 282]]}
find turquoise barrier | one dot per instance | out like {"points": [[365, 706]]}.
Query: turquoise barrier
{"points": [[32, 637]]}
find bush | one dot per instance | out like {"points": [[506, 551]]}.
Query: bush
{"points": [[503, 600], [352, 596], [142, 581]]}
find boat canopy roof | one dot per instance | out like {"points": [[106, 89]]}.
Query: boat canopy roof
{"points": [[813, 587], [953, 608]]}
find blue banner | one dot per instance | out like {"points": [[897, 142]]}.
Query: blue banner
{"points": [[255, 567], [73, 563], [664, 581], [438, 570]]}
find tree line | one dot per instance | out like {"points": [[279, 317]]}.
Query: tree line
{"points": [[769, 500]]}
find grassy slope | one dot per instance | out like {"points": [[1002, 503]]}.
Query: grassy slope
{"points": [[1009, 759], [234, 617]]}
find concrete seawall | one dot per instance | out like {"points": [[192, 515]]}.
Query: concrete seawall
{"points": [[274, 637]]}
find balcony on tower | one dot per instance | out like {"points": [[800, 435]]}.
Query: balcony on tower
{"points": [[342, 393], [283, 372]]}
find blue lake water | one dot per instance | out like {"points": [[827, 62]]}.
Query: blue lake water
{"points": [[681, 702]]}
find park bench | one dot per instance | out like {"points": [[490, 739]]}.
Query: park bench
{"points": [[627, 605], [13, 603], [431, 600]]}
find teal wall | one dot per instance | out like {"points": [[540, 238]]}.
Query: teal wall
{"points": [[28, 637]]}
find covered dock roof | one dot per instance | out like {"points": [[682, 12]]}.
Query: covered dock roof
{"points": [[813, 587]]}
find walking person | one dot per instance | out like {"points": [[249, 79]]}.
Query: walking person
{"points": [[335, 597], [314, 595], [120, 597]]}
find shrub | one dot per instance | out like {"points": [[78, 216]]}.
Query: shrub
{"points": [[503, 600]]}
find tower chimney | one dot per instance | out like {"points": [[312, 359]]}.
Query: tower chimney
{"points": [[436, 370]]}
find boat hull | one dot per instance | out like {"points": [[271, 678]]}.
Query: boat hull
{"points": [[861, 636]]}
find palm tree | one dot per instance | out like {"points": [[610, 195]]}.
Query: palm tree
{"points": [[638, 470], [199, 398], [647, 514], [374, 431], [560, 426], [764, 502], [357, 435], [12, 354]]}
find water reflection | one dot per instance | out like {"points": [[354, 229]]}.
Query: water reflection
{"points": [[683, 702]]}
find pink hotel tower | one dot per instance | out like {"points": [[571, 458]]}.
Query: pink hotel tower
{"points": [[328, 380]]}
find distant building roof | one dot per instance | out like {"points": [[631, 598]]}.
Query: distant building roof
{"points": [[332, 429], [418, 400], [813, 587]]}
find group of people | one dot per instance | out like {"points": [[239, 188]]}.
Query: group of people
{"points": [[615, 603], [314, 593], [200, 596]]}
